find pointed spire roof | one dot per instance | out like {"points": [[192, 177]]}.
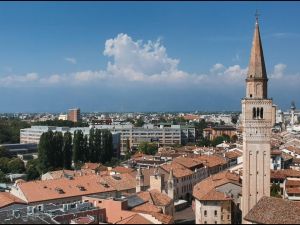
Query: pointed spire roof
{"points": [[257, 68]]}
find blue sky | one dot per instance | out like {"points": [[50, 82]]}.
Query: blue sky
{"points": [[147, 56]]}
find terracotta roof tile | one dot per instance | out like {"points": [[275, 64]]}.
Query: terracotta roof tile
{"points": [[270, 210], [178, 170], [6, 199], [135, 219], [121, 182], [206, 189], [155, 197], [121, 170], [36, 191], [147, 207], [282, 174]]}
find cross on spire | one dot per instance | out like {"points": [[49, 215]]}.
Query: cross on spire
{"points": [[256, 16]]}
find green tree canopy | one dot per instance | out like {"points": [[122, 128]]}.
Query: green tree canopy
{"points": [[148, 148], [4, 152], [32, 170], [67, 150], [16, 165]]}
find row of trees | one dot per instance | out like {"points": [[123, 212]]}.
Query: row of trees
{"points": [[9, 164], [10, 130], [57, 151], [218, 140], [61, 123]]}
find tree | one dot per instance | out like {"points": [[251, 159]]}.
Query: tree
{"points": [[10, 130], [92, 148], [4, 164], [275, 190], [45, 152], [16, 165], [4, 153], [57, 150], [139, 122], [67, 150], [32, 170], [148, 148], [98, 146], [220, 139], [78, 149], [204, 142], [3, 178]]}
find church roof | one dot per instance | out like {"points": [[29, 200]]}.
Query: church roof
{"points": [[257, 68]]}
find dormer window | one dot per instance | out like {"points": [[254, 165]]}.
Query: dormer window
{"points": [[59, 190]]}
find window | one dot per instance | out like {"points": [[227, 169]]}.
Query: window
{"points": [[216, 222], [205, 213], [216, 212], [262, 113], [254, 113], [205, 222], [228, 217]]}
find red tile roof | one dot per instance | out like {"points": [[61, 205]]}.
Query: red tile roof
{"points": [[6, 199], [155, 197], [270, 210], [121, 170], [206, 189], [178, 170], [36, 191]]}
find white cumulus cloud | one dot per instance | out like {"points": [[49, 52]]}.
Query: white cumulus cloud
{"points": [[278, 71], [71, 60]]}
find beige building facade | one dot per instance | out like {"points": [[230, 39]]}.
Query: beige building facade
{"points": [[257, 118]]}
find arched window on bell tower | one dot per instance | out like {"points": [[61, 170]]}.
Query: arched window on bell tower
{"points": [[257, 113], [254, 113], [262, 113]]}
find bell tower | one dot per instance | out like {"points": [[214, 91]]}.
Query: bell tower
{"points": [[257, 124]]}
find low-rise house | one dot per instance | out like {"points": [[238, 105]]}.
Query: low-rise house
{"points": [[234, 157], [184, 177], [66, 190], [118, 211], [95, 167], [8, 201], [155, 198], [292, 150], [291, 189], [54, 214], [295, 165], [214, 132], [270, 210], [279, 176], [65, 173], [217, 199]]}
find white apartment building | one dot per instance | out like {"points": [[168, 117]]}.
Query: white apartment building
{"points": [[32, 135], [163, 134]]}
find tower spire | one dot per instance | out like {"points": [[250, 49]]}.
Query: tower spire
{"points": [[257, 75]]}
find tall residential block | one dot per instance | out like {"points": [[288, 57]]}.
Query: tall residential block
{"points": [[74, 115]]}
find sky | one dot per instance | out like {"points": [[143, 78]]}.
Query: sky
{"points": [[143, 56]]}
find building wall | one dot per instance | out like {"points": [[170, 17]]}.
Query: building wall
{"points": [[174, 134], [184, 185], [257, 150], [213, 212], [32, 135], [74, 115]]}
